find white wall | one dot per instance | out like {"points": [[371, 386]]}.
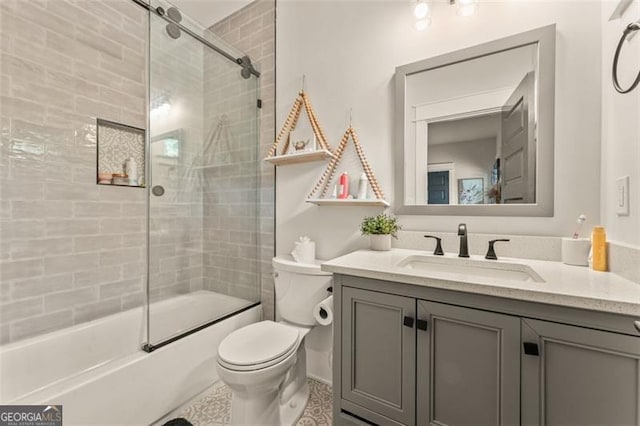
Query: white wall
{"points": [[480, 75], [349, 50], [620, 127]]}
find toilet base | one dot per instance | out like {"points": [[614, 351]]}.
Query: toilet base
{"points": [[295, 390], [271, 403], [292, 410]]}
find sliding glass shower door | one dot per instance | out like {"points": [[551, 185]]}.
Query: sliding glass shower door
{"points": [[203, 202]]}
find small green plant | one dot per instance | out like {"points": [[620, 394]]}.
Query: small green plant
{"points": [[382, 224]]}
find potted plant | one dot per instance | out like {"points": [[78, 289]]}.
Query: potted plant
{"points": [[380, 230]]}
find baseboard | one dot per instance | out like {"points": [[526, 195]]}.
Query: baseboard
{"points": [[320, 379]]}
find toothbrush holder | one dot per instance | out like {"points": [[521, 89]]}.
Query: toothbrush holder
{"points": [[576, 251]]}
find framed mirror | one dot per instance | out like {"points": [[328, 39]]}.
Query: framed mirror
{"points": [[475, 129]]}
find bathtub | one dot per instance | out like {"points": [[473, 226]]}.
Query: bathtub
{"points": [[99, 374]]}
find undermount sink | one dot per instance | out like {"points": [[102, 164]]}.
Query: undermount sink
{"points": [[472, 268]]}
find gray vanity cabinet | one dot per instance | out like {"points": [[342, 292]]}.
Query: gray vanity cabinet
{"points": [[420, 356], [580, 376], [378, 356], [465, 368], [468, 367]]}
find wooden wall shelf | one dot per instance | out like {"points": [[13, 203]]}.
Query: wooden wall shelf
{"points": [[302, 157], [348, 202]]}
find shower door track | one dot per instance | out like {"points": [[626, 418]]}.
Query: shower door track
{"points": [[244, 63], [150, 347]]}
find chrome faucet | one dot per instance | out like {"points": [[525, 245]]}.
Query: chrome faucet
{"points": [[464, 247]]}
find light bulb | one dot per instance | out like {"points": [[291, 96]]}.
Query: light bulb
{"points": [[422, 24], [467, 7], [421, 10]]}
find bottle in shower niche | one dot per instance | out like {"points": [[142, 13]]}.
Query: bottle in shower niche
{"points": [[599, 249], [131, 169], [343, 192]]}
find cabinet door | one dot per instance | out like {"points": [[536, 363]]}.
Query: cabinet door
{"points": [[468, 367], [580, 376], [378, 356]]}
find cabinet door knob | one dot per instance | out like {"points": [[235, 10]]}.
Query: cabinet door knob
{"points": [[422, 325], [408, 322], [637, 325]]}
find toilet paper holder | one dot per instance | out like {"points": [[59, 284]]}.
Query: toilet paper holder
{"points": [[323, 312]]}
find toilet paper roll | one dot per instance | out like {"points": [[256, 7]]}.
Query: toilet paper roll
{"points": [[323, 312], [576, 251], [304, 252]]}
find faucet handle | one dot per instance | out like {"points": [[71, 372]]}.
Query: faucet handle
{"points": [[438, 251], [491, 253]]}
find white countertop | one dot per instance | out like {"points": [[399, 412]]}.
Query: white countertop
{"points": [[565, 285]]}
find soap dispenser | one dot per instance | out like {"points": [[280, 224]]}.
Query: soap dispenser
{"points": [[599, 249]]}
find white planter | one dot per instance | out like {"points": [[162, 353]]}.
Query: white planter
{"points": [[380, 242]]}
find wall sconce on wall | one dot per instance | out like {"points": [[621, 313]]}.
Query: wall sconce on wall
{"points": [[423, 10]]}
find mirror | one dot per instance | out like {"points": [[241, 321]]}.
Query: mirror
{"points": [[475, 129]]}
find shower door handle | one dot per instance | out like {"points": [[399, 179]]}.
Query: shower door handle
{"points": [[157, 190]]}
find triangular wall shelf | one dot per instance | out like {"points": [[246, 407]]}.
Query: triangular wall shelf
{"points": [[327, 177], [348, 202], [324, 152]]}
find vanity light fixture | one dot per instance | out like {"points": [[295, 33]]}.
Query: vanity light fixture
{"points": [[422, 11]]}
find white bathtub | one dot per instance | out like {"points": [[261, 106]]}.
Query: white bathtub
{"points": [[101, 377]]}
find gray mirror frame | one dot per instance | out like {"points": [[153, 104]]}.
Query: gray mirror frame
{"points": [[546, 39]]}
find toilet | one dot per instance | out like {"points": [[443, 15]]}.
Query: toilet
{"points": [[264, 364]]}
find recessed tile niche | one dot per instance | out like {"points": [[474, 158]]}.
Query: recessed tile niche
{"points": [[121, 154]]}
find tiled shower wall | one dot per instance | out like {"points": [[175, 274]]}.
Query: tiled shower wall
{"points": [[71, 250], [252, 29], [176, 229], [229, 173]]}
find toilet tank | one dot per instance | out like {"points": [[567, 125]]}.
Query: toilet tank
{"points": [[299, 287]]}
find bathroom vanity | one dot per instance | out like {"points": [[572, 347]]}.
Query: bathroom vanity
{"points": [[438, 340]]}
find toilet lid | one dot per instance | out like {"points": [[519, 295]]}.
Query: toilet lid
{"points": [[257, 343]]}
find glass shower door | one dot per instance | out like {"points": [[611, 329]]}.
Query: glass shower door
{"points": [[203, 205]]}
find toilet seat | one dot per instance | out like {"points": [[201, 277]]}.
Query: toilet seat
{"points": [[257, 346]]}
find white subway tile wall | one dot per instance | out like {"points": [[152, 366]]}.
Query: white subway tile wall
{"points": [[71, 251]]}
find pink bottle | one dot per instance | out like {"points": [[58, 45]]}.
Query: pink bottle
{"points": [[344, 186]]}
